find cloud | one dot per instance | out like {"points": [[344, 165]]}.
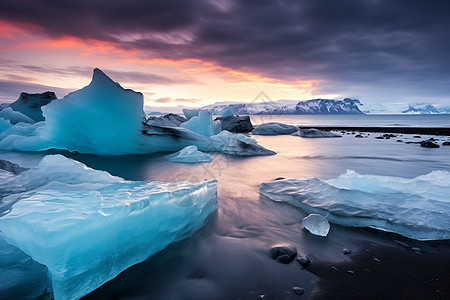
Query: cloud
{"points": [[12, 89], [177, 100], [351, 46]]}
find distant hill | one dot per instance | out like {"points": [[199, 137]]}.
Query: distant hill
{"points": [[308, 107]]}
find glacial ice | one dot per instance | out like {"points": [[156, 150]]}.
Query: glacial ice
{"points": [[20, 276], [87, 226], [189, 113], [316, 224], [105, 119], [239, 144], [202, 124], [189, 154], [274, 128], [14, 117], [227, 111], [315, 133], [30, 104], [417, 208]]}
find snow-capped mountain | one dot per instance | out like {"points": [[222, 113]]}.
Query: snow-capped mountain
{"points": [[402, 108], [309, 107]]}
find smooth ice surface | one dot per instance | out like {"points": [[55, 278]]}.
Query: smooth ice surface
{"points": [[30, 104], [316, 224], [417, 208], [190, 154], [14, 117], [274, 128], [315, 133], [87, 226], [228, 111], [202, 124], [4, 124], [239, 144]]}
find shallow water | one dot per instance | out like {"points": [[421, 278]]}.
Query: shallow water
{"points": [[229, 257]]}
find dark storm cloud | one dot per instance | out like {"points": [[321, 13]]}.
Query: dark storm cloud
{"points": [[349, 44]]}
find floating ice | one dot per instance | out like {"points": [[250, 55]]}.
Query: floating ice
{"points": [[235, 123], [189, 154], [30, 104], [227, 111], [105, 119], [20, 276], [315, 133], [189, 113], [316, 224], [202, 124], [87, 226], [14, 117], [274, 128], [417, 208], [239, 144]]}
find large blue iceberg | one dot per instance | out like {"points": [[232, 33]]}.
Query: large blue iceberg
{"points": [[417, 208], [105, 119], [87, 226]]}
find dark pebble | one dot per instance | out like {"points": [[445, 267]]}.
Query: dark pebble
{"points": [[346, 251], [400, 141], [283, 253], [303, 260], [298, 290], [379, 137], [358, 136], [417, 136], [446, 144], [429, 144], [351, 272], [377, 259]]}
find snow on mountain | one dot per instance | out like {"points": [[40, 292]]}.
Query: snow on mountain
{"points": [[402, 108], [309, 107]]}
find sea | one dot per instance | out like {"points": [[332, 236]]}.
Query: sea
{"points": [[229, 258]]}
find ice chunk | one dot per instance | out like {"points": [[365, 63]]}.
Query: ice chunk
{"points": [[417, 208], [239, 144], [87, 226], [20, 276], [227, 111], [169, 120], [189, 154], [274, 128], [202, 124], [316, 224], [30, 104], [14, 117], [4, 124], [189, 113], [315, 133]]}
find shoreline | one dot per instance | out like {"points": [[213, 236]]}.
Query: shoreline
{"points": [[404, 130]]}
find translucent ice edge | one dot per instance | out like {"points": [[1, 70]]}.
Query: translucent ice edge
{"points": [[417, 208], [87, 226]]}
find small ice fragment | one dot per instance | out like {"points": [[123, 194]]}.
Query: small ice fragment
{"points": [[316, 224]]}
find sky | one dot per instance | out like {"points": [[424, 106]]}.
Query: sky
{"points": [[193, 53]]}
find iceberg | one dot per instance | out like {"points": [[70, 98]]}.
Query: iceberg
{"points": [[239, 144], [315, 133], [14, 117], [86, 226], [30, 104], [316, 224], [105, 119], [202, 124], [189, 113], [235, 123], [190, 154], [417, 208], [274, 128]]}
